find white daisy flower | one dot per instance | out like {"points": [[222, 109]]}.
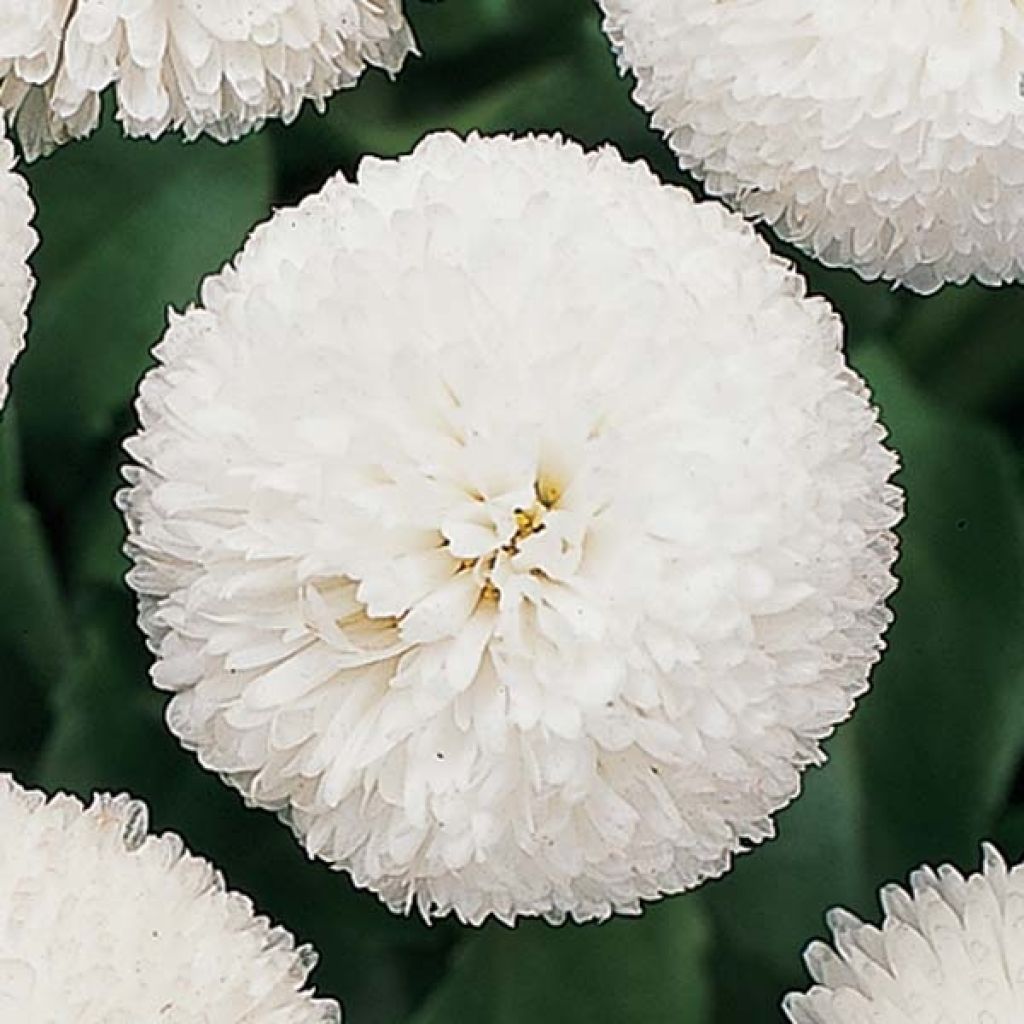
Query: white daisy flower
{"points": [[222, 67], [101, 923], [17, 243], [513, 526], [949, 951], [885, 136]]}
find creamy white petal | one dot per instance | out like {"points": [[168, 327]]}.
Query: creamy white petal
{"points": [[571, 525], [950, 950], [220, 67], [17, 243], [886, 136], [102, 923]]}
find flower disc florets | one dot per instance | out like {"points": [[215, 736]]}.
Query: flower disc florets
{"points": [[513, 526], [951, 951], [222, 67], [884, 136], [101, 923], [17, 242]]}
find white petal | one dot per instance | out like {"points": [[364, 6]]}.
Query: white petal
{"points": [[585, 494], [110, 923], [887, 137]]}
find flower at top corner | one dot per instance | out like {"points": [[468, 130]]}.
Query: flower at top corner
{"points": [[103, 923], [887, 137], [512, 525], [215, 67]]}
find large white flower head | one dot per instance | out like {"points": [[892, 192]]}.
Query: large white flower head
{"points": [[101, 923], [949, 951], [17, 242], [513, 526], [885, 136], [222, 67]]}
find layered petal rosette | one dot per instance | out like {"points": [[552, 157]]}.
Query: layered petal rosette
{"points": [[949, 950], [102, 923], [512, 525], [885, 136], [220, 67]]}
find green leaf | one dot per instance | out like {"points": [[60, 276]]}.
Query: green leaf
{"points": [[128, 227], [1009, 834], [963, 345], [96, 531], [34, 634], [775, 898], [649, 969], [555, 74], [943, 728], [449, 28]]}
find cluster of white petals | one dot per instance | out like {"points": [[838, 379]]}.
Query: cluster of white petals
{"points": [[512, 525], [951, 951], [222, 67], [17, 242], [885, 136], [101, 923]]}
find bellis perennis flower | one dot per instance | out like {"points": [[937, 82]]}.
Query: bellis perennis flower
{"points": [[884, 136], [217, 66], [17, 242], [102, 924], [512, 526], [949, 951]]}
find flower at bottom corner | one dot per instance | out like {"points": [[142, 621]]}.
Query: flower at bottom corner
{"points": [[512, 525], [103, 923], [17, 243], [948, 951]]}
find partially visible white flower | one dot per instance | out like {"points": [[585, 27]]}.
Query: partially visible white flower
{"points": [[513, 526], [222, 67], [17, 242], [885, 136], [951, 951], [101, 923]]}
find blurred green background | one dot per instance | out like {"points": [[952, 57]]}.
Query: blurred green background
{"points": [[930, 765]]}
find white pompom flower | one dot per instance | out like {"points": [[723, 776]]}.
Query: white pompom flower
{"points": [[17, 243], [101, 923], [885, 136], [950, 951], [220, 67], [512, 525]]}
